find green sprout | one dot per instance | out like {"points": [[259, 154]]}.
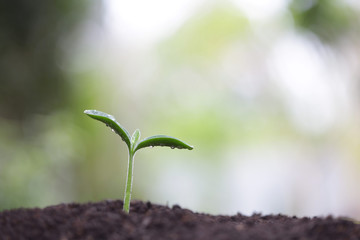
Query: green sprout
{"points": [[134, 145]]}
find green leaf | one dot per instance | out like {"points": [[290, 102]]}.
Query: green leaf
{"points": [[111, 122], [164, 141], [135, 137]]}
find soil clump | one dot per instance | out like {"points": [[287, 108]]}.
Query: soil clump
{"points": [[147, 221]]}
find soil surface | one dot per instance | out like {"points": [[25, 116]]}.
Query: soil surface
{"points": [[106, 220]]}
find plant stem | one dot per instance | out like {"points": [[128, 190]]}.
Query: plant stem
{"points": [[129, 181]]}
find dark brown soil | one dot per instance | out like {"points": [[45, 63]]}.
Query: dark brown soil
{"points": [[106, 220]]}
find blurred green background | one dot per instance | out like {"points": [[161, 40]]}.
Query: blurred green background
{"points": [[268, 92]]}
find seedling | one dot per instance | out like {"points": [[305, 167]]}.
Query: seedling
{"points": [[134, 145]]}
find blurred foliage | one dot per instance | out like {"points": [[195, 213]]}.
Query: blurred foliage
{"points": [[31, 34], [328, 19], [38, 168], [205, 35], [39, 138]]}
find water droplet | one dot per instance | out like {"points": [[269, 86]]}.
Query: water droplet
{"points": [[172, 147], [151, 146]]}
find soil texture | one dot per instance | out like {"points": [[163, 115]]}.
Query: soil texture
{"points": [[147, 221]]}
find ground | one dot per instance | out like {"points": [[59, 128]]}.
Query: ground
{"points": [[146, 221]]}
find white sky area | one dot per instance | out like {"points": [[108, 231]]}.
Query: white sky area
{"points": [[353, 3], [261, 10], [306, 83], [148, 21]]}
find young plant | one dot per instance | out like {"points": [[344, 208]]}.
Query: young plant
{"points": [[134, 145]]}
